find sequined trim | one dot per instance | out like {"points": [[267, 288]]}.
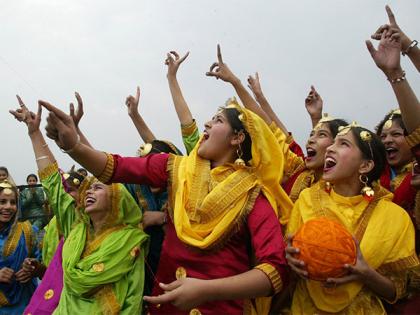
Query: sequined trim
{"points": [[413, 138], [188, 130], [47, 171], [273, 275], [108, 171], [400, 264], [303, 181], [3, 299]]}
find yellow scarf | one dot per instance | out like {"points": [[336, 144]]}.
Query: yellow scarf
{"points": [[208, 203]]}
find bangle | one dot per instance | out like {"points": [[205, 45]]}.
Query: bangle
{"points": [[41, 158], [412, 44], [397, 79], [69, 151]]}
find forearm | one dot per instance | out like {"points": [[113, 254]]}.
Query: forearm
{"points": [[315, 120], [408, 103], [181, 106], [43, 155], [83, 139], [93, 160], [145, 133], [250, 284], [413, 52], [248, 101], [265, 105], [380, 285]]}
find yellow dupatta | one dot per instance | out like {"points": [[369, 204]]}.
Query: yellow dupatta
{"points": [[386, 237], [208, 203]]}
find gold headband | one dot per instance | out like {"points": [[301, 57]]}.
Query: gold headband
{"points": [[7, 187], [325, 118], [343, 130], [365, 135], [75, 181], [388, 123]]}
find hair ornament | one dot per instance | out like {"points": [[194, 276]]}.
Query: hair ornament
{"points": [[343, 130], [388, 123], [145, 149], [7, 187], [325, 118], [366, 136]]}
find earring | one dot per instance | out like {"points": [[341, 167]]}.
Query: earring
{"points": [[328, 187], [367, 191], [239, 161]]}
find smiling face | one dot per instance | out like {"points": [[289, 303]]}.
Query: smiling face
{"points": [[398, 152], [219, 142], [8, 206], [344, 161], [97, 199], [319, 140]]}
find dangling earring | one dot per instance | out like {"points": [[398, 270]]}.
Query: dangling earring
{"points": [[239, 162], [328, 187], [367, 191]]}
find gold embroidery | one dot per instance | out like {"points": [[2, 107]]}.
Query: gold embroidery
{"points": [[189, 129], [413, 139], [304, 180], [97, 241], [400, 264], [107, 300], [135, 251], [99, 267], [401, 174], [48, 171], [49, 294], [3, 299], [27, 232], [15, 235], [108, 171], [273, 275], [180, 273]]}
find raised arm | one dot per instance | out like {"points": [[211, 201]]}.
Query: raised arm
{"points": [[387, 58], [144, 131], [255, 86], [43, 155], [173, 61], [220, 70], [313, 105], [77, 116], [408, 47]]}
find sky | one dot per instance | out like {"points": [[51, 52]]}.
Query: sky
{"points": [[104, 49]]}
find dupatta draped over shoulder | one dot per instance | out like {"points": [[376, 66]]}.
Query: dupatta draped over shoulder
{"points": [[386, 236]]}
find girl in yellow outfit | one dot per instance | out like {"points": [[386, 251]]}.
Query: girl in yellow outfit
{"points": [[383, 229]]}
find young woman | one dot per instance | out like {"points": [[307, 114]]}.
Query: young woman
{"points": [[19, 250], [218, 211], [4, 175], [386, 254], [32, 203], [103, 253]]}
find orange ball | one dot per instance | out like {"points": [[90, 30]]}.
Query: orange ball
{"points": [[324, 246]]}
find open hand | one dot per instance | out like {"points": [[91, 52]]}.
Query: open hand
{"points": [[254, 84], [314, 104]]}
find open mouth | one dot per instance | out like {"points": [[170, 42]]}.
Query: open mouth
{"points": [[391, 153], [330, 163], [205, 135], [89, 201], [310, 153]]}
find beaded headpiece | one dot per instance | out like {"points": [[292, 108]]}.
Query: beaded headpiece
{"points": [[388, 123]]}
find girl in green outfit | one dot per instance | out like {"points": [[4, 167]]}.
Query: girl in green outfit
{"points": [[104, 248]]}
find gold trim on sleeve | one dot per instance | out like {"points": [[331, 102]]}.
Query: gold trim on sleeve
{"points": [[108, 171], [273, 275]]}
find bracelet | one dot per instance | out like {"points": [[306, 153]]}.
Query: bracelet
{"points": [[397, 79], [412, 44], [69, 151], [45, 145], [41, 158]]}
